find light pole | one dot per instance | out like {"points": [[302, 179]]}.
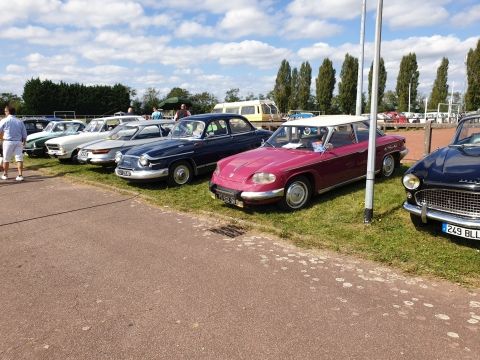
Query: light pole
{"points": [[409, 91], [358, 109]]}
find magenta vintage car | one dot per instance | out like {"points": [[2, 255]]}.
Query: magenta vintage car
{"points": [[304, 157]]}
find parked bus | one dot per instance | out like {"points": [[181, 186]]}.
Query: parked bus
{"points": [[253, 110]]}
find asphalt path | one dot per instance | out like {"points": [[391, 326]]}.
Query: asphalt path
{"points": [[87, 273]]}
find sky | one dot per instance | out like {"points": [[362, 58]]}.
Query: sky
{"points": [[217, 45]]}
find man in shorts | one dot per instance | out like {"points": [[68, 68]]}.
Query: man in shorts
{"points": [[14, 136]]}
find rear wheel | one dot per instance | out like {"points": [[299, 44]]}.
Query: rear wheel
{"points": [[180, 173], [297, 194], [388, 166]]}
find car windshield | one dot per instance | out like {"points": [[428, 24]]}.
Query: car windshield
{"points": [[299, 137], [188, 129], [124, 132], [468, 133], [50, 126], [94, 126]]}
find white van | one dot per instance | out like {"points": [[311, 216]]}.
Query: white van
{"points": [[253, 110]]}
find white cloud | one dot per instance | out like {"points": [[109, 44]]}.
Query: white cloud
{"points": [[247, 21], [467, 17], [313, 29], [192, 29]]}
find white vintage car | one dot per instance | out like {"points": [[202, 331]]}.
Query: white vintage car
{"points": [[123, 137], [65, 147]]}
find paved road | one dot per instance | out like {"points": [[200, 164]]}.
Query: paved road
{"points": [[91, 274]]}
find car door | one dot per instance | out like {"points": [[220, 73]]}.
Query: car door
{"points": [[243, 136], [215, 144]]}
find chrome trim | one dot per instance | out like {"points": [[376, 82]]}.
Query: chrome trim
{"points": [[262, 195], [205, 165], [164, 157], [403, 153], [143, 174], [443, 217], [321, 191]]}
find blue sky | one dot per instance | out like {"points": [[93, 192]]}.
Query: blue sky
{"points": [[216, 45]]}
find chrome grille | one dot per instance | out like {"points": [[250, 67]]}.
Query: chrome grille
{"points": [[452, 201], [128, 162], [53, 146]]}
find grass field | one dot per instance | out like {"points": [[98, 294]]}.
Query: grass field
{"points": [[333, 221]]}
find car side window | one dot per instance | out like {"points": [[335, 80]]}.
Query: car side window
{"points": [[247, 110], [343, 135], [239, 126], [148, 132], [111, 124], [217, 128], [362, 131]]}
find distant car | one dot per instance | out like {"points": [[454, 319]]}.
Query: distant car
{"points": [[123, 137], [35, 144], [397, 117], [196, 144], [65, 147], [304, 157], [35, 124], [445, 185]]}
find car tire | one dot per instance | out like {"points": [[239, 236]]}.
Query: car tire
{"points": [[180, 173], [74, 157], [297, 194], [388, 166]]}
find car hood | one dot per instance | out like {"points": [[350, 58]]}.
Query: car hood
{"points": [[452, 165], [105, 144], [78, 138], [242, 166], [163, 148], [39, 135]]}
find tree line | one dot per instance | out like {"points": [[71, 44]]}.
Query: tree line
{"points": [[291, 91]]}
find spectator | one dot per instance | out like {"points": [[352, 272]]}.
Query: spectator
{"points": [[14, 135], [130, 111], [156, 114], [183, 112]]}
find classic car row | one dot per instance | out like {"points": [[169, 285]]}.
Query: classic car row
{"points": [[302, 158]]}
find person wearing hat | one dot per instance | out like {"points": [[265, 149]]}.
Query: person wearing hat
{"points": [[156, 114]]}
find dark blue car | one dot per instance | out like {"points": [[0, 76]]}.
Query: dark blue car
{"points": [[195, 145], [445, 185]]}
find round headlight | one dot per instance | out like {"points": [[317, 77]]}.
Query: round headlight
{"points": [[118, 157], [263, 178], [143, 161], [411, 182]]}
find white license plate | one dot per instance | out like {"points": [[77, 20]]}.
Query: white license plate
{"points": [[473, 234], [124, 172], [229, 199]]}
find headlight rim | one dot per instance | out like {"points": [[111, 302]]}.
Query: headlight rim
{"points": [[264, 178], [143, 159], [412, 180]]}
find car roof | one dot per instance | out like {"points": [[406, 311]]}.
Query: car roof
{"points": [[212, 116], [150, 122], [119, 117], [326, 120]]}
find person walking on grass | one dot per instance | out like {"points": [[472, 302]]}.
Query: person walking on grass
{"points": [[14, 135]]}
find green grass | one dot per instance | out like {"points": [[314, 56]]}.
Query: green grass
{"points": [[333, 221]]}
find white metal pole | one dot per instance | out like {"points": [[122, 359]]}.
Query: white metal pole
{"points": [[373, 119], [426, 104], [409, 91], [358, 109]]}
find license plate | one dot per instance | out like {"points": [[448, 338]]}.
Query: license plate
{"points": [[83, 153], [229, 199], [124, 172], [473, 234]]}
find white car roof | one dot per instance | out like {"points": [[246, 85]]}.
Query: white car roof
{"points": [[326, 120], [137, 117], [150, 122]]}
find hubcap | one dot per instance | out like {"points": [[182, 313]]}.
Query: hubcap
{"points": [[388, 165], [181, 174], [297, 194]]}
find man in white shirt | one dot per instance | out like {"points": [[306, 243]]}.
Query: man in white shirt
{"points": [[14, 135]]}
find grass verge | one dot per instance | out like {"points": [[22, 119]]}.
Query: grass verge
{"points": [[333, 221]]}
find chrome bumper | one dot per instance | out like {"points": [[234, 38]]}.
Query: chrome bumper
{"points": [[403, 153], [425, 214], [142, 174], [261, 195]]}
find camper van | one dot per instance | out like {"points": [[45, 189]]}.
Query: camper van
{"points": [[253, 110]]}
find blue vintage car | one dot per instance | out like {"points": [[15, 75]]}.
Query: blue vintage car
{"points": [[445, 185], [196, 144]]}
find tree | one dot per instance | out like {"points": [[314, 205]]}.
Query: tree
{"points": [[282, 89], [232, 95], [203, 103], [440, 87], [178, 92], [13, 100], [293, 100], [382, 80], [472, 95], [150, 100], [390, 101], [407, 78], [347, 87], [304, 83], [325, 84]]}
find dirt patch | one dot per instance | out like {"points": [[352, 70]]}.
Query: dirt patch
{"points": [[416, 141]]}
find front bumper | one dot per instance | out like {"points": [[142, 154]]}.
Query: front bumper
{"points": [[248, 196], [141, 174], [59, 154], [403, 153], [34, 151], [425, 214]]}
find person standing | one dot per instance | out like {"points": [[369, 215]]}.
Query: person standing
{"points": [[156, 114], [14, 136], [183, 112]]}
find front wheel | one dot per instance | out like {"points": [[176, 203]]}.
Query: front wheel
{"points": [[388, 166], [297, 194], [180, 173]]}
